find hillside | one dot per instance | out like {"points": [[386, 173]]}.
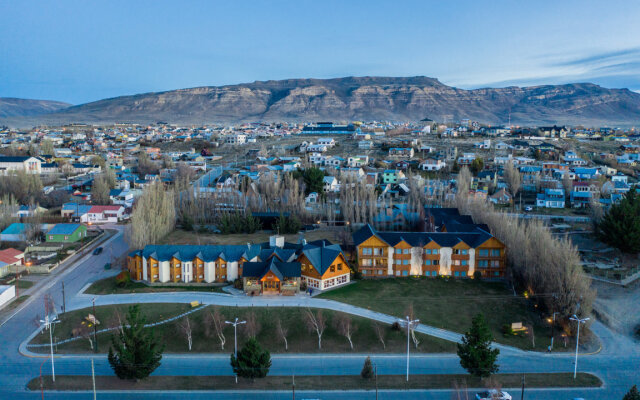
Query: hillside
{"points": [[12, 107], [364, 98]]}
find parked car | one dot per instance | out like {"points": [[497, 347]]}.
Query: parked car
{"points": [[107, 266], [528, 208], [493, 394], [97, 251]]}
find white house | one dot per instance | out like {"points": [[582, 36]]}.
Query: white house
{"points": [[432, 165], [329, 142], [32, 165], [331, 184], [103, 214], [236, 139], [357, 161]]}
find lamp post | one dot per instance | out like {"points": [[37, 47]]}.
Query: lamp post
{"points": [[580, 321], [553, 325], [48, 324], [409, 324], [235, 337]]}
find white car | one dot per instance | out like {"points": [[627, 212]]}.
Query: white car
{"points": [[528, 208], [493, 394]]}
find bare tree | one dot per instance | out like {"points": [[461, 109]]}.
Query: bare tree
{"points": [[513, 178], [344, 326], [253, 326], [115, 322], [463, 182], [184, 326], [84, 331], [283, 332], [316, 323], [380, 333], [217, 320], [153, 217], [412, 326]]}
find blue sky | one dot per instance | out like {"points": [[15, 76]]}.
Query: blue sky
{"points": [[80, 51]]}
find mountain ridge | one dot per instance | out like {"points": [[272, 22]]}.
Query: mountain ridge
{"points": [[17, 107], [363, 98]]}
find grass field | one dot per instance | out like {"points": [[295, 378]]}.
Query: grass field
{"points": [[109, 286], [185, 237], [340, 382], [451, 304], [299, 338]]}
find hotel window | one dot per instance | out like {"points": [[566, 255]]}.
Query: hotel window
{"points": [[427, 262], [405, 273], [434, 273], [333, 268], [483, 253], [436, 262], [377, 252], [397, 273], [463, 252], [463, 262], [405, 251], [427, 251], [495, 253], [483, 263], [457, 273], [155, 276], [398, 262], [178, 276], [200, 276], [379, 272], [398, 251], [435, 251], [367, 251], [456, 262], [405, 262], [495, 264], [464, 273]]}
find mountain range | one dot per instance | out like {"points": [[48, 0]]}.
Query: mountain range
{"points": [[351, 98], [13, 107]]}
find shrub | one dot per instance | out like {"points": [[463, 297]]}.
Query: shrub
{"points": [[123, 279], [238, 284], [367, 369], [477, 275], [303, 286], [396, 326]]}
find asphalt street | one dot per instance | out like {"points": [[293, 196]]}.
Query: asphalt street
{"points": [[618, 363]]}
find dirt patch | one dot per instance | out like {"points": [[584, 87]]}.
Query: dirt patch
{"points": [[618, 306]]}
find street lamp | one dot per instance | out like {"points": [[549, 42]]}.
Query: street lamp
{"points": [[48, 325], [235, 338], [580, 321], [409, 324], [553, 325]]}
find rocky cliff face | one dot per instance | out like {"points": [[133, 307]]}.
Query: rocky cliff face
{"points": [[365, 98]]}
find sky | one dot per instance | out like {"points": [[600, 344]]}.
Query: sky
{"points": [[82, 51]]}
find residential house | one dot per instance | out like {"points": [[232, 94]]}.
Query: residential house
{"points": [[357, 161], [432, 165], [405, 152], [331, 184], [8, 164], [66, 233], [392, 176], [10, 259], [501, 197], [551, 198]]}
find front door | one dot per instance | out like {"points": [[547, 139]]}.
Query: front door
{"points": [[271, 286]]}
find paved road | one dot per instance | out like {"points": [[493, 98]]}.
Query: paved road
{"points": [[617, 364]]}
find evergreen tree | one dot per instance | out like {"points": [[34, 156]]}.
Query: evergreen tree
{"points": [[632, 394], [620, 227], [252, 362], [367, 369], [134, 353], [475, 352], [313, 180]]}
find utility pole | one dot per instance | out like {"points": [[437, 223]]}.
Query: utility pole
{"points": [[409, 324], [294, 387], [580, 321], [375, 369], [553, 325], [95, 326], [93, 379], [64, 305], [235, 337], [521, 395]]}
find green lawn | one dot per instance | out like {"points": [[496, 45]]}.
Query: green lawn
{"points": [[109, 286], [451, 304], [306, 382], [22, 284], [299, 338]]}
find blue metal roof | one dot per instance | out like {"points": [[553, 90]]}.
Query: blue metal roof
{"points": [[63, 229]]}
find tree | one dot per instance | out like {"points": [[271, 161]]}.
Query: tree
{"points": [[252, 326], [215, 319], [146, 165], [367, 369], [463, 181], [100, 191], [98, 160], [513, 178], [252, 361], [46, 147], [345, 327], [477, 165], [283, 331], [316, 323], [475, 352], [380, 333], [186, 328], [134, 352], [620, 226], [153, 217], [632, 394], [313, 180]]}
